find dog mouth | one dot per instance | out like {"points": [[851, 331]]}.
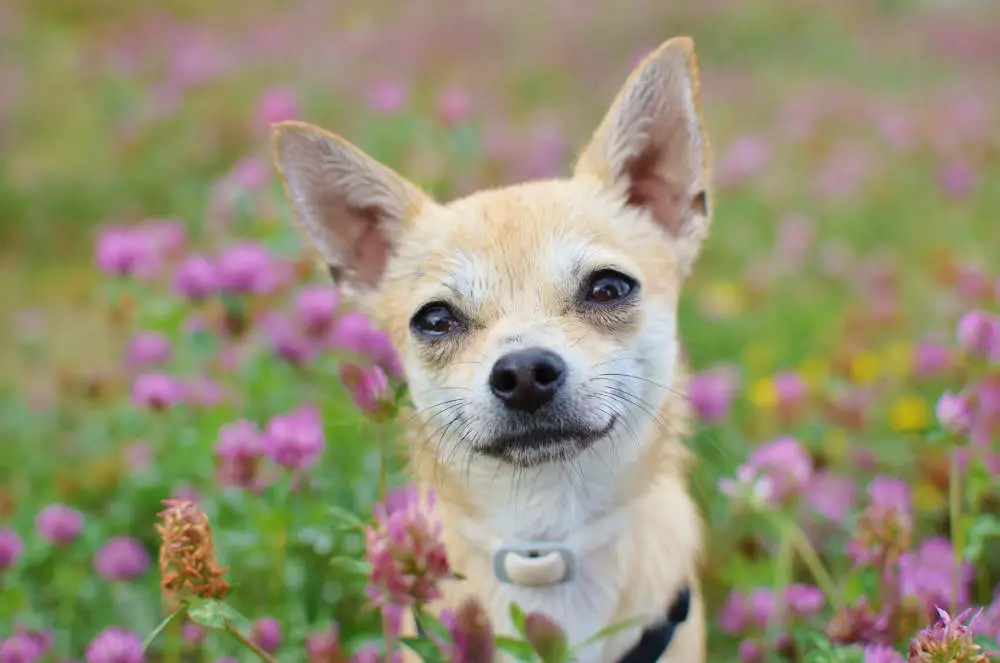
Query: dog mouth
{"points": [[544, 444]]}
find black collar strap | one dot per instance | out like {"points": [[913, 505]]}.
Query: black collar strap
{"points": [[656, 638]]}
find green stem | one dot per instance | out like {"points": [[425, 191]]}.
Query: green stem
{"points": [[383, 463], [174, 644], [815, 565], [783, 573], [389, 639], [249, 644], [954, 512]]}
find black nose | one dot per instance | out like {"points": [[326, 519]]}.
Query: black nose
{"points": [[527, 379]]}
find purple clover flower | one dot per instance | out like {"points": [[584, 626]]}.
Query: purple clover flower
{"points": [[11, 548], [289, 340], [296, 439], [196, 278], [316, 307], [405, 550], [786, 464], [949, 639], [20, 649], [979, 333], [882, 654], [324, 646], [59, 524], [125, 251], [369, 389], [926, 575], [246, 268], [121, 558], [803, 600], [115, 645], [276, 104], [266, 633], [711, 393], [149, 348], [239, 451], [387, 97], [157, 391]]}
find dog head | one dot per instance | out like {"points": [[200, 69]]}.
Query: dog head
{"points": [[533, 320]]}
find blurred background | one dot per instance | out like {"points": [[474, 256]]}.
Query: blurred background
{"points": [[858, 213], [876, 119]]}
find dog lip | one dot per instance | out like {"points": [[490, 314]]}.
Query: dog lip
{"points": [[547, 440]]}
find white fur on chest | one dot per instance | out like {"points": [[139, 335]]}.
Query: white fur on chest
{"points": [[567, 504]]}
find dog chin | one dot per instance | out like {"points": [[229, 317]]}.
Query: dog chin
{"points": [[540, 445]]}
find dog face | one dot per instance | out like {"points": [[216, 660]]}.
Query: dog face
{"points": [[536, 320]]}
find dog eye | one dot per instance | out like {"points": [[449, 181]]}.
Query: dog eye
{"points": [[435, 320], [608, 287]]}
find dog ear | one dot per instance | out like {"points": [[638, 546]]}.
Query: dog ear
{"points": [[351, 207], [652, 149]]}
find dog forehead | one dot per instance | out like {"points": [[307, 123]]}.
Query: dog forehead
{"points": [[537, 229]]}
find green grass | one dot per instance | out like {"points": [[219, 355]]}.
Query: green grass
{"points": [[82, 148]]}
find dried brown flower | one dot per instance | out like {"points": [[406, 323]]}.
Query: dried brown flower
{"points": [[188, 565]]}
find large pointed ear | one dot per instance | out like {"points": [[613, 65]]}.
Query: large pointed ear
{"points": [[652, 149], [351, 207]]}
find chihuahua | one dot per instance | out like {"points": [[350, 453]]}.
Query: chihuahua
{"points": [[537, 325]]}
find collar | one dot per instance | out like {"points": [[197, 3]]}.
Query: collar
{"points": [[541, 563], [656, 639], [534, 563]]}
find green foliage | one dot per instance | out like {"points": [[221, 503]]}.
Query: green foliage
{"points": [[105, 123]]}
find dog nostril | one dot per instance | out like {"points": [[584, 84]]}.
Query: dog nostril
{"points": [[546, 374], [504, 381]]}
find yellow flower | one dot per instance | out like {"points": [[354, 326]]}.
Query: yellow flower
{"points": [[815, 371], [899, 358], [835, 443], [865, 368], [764, 394], [927, 497], [724, 299], [909, 413], [758, 357]]}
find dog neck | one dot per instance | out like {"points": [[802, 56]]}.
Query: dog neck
{"points": [[536, 525]]}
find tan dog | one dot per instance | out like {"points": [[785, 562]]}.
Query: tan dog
{"points": [[538, 328]]}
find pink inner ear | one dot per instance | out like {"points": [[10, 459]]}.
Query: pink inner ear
{"points": [[370, 247], [651, 189]]}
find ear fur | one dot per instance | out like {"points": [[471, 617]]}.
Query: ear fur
{"points": [[351, 207], [652, 149]]}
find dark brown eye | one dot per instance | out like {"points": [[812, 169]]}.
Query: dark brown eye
{"points": [[608, 287], [435, 320]]}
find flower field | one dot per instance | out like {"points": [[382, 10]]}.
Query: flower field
{"points": [[197, 430]]}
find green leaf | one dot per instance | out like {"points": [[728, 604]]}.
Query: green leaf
{"points": [[982, 528], [978, 482], [431, 623], [216, 614], [519, 649], [517, 618], [424, 648], [352, 565], [159, 629], [608, 631], [346, 519]]}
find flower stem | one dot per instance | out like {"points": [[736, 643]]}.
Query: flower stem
{"points": [[954, 512], [815, 565], [172, 653], [783, 575], [383, 462], [249, 644], [388, 636]]}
